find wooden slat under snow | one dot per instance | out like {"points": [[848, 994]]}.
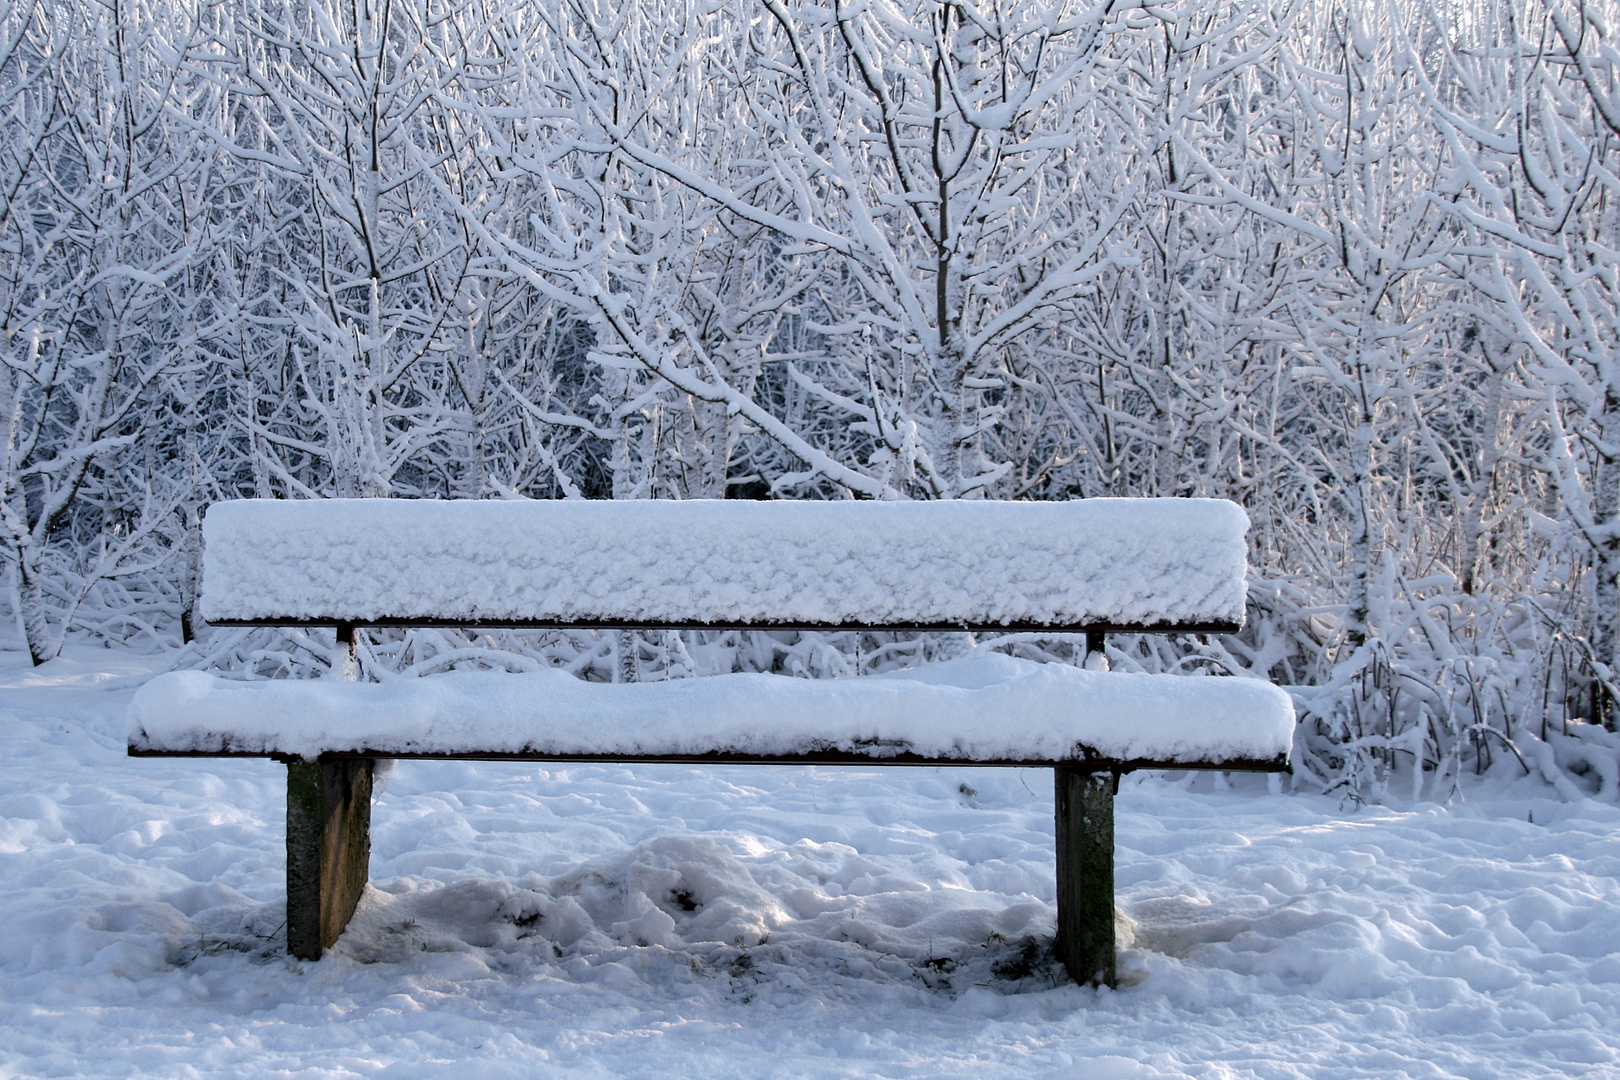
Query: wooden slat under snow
{"points": [[1098, 564]]}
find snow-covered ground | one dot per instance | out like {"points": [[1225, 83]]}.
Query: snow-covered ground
{"points": [[676, 922]]}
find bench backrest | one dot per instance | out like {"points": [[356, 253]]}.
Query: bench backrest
{"points": [[1094, 564]]}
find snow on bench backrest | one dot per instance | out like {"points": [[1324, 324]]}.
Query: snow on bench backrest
{"points": [[1095, 563]]}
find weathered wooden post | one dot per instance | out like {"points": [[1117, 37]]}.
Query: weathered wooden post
{"points": [[328, 849], [1085, 860], [328, 840], [1085, 873]]}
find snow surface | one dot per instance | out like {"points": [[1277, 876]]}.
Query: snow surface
{"points": [[655, 562], [988, 708], [597, 921]]}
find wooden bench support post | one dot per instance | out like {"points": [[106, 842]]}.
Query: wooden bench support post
{"points": [[1085, 873], [328, 849]]}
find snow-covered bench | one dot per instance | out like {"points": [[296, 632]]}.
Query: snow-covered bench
{"points": [[1092, 567]]}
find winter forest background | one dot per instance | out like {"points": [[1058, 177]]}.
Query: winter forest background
{"points": [[1353, 265]]}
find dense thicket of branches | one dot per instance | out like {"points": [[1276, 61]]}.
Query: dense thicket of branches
{"points": [[1353, 265]]}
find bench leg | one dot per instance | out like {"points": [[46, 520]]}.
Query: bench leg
{"points": [[328, 849], [1085, 874]]}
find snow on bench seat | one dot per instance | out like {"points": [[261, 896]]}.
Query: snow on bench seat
{"points": [[984, 710], [1097, 563]]}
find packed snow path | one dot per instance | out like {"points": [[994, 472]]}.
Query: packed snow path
{"points": [[585, 921]]}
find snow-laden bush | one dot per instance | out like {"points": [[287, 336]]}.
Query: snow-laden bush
{"points": [[1348, 265]]}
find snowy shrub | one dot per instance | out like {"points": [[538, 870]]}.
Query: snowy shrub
{"points": [[1348, 265]]}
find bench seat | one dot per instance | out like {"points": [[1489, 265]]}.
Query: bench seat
{"points": [[987, 710]]}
